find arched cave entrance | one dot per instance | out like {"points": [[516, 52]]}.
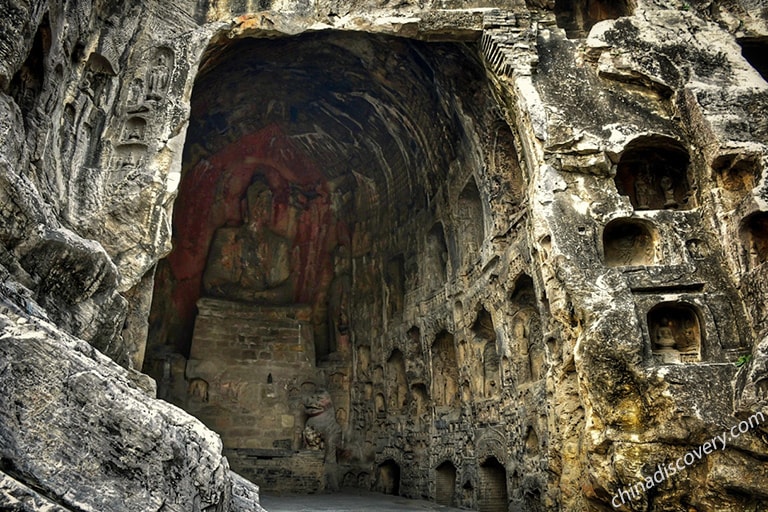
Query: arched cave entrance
{"points": [[493, 496], [306, 161], [388, 478], [445, 484]]}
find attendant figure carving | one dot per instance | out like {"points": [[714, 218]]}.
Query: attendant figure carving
{"points": [[667, 186], [157, 79]]}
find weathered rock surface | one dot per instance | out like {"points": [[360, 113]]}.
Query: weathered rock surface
{"points": [[18, 497], [76, 429], [532, 237]]}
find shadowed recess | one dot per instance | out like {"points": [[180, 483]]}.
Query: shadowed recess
{"points": [[296, 147]]}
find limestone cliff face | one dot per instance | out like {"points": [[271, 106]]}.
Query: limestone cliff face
{"points": [[534, 234]]}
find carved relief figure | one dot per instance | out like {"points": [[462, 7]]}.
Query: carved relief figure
{"points": [[491, 370], [696, 248], [397, 386], [322, 423], [444, 370], [135, 93], [312, 439], [675, 332], [436, 256], [643, 190], [665, 338], [628, 243], [157, 79], [667, 186], [338, 301], [628, 248], [198, 389], [250, 262]]}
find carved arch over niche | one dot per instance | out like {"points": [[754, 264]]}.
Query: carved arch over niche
{"points": [[492, 443], [676, 330], [523, 292], [629, 242], [653, 173], [753, 232]]}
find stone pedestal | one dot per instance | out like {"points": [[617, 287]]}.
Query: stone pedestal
{"points": [[246, 369]]}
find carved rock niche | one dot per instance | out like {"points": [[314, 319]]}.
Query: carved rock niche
{"points": [[436, 257], [420, 399], [485, 334], [629, 242], [754, 239], [576, 17], [397, 386], [737, 173], [676, 332], [653, 173], [755, 50], [159, 74], [445, 371], [134, 130], [469, 221]]}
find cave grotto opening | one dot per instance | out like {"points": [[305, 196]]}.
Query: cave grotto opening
{"points": [[330, 184]]}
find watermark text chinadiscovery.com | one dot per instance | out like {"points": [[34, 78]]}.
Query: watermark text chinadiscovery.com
{"points": [[719, 442]]}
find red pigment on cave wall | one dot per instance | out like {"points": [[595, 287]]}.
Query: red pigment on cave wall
{"points": [[210, 197]]}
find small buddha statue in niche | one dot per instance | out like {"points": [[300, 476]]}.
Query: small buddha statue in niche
{"points": [[668, 187], [665, 344], [665, 337], [643, 191]]}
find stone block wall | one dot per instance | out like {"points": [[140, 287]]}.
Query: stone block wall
{"points": [[246, 370], [286, 473]]}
